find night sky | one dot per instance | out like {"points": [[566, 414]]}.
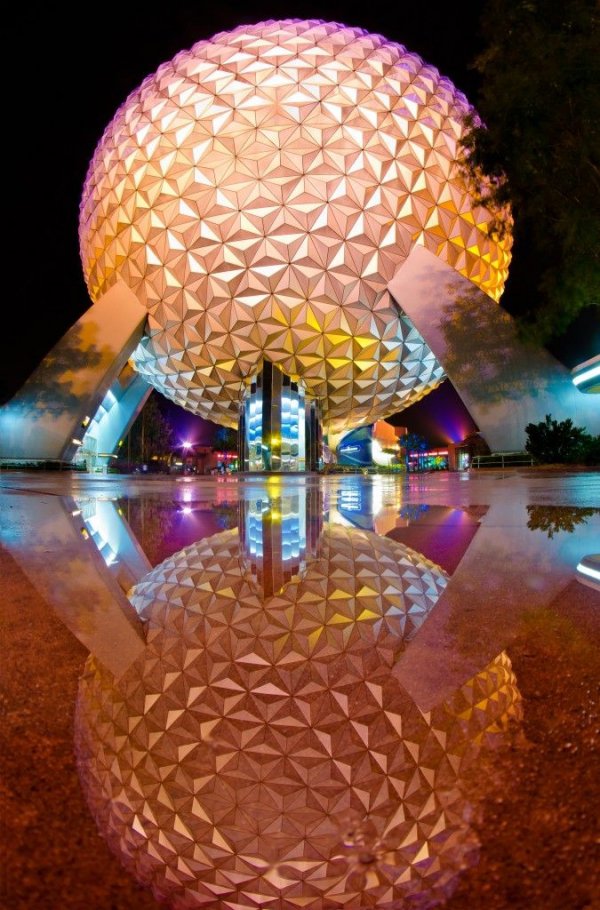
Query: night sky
{"points": [[70, 80]]}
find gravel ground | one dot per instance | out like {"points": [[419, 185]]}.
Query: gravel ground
{"points": [[53, 857], [539, 828]]}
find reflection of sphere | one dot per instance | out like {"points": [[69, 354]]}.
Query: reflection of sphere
{"points": [[264, 754], [259, 192]]}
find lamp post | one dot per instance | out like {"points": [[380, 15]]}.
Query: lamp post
{"points": [[186, 446]]}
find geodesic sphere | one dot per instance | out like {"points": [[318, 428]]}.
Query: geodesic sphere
{"points": [[259, 192], [261, 752]]}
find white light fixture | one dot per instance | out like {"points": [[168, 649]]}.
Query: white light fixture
{"points": [[592, 373], [588, 572]]}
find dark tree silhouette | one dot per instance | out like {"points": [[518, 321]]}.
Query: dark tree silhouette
{"points": [[151, 434], [411, 443], [540, 145], [226, 440], [552, 442]]}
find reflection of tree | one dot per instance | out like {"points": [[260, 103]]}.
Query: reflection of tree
{"points": [[226, 515], [557, 518], [154, 522], [52, 387], [151, 520], [484, 352], [413, 512]]}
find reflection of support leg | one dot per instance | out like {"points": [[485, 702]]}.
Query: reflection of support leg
{"points": [[504, 384], [480, 611], [70, 574]]}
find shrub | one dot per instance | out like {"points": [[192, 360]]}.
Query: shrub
{"points": [[591, 450], [551, 442]]}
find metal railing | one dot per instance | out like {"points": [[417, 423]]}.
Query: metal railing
{"points": [[502, 459]]}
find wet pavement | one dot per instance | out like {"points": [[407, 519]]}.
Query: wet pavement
{"points": [[316, 692]]}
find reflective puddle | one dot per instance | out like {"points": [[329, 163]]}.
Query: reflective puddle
{"points": [[300, 692]]}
